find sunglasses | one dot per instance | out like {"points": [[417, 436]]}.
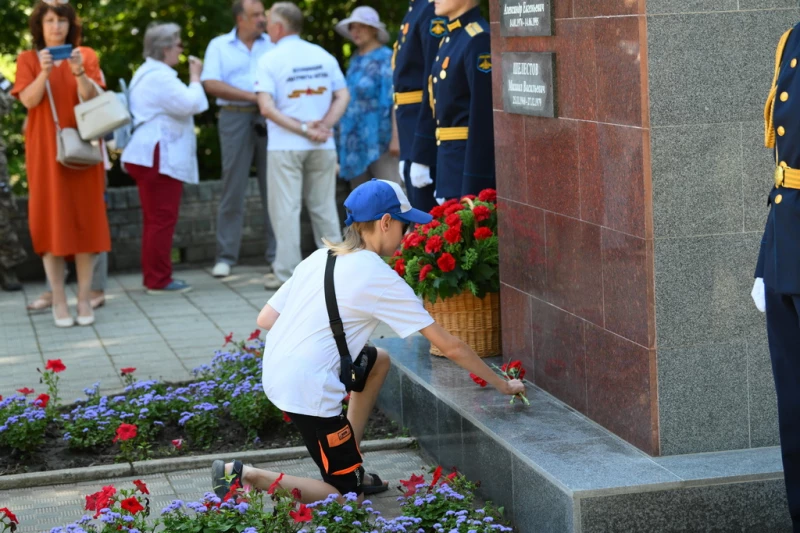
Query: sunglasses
{"points": [[55, 2]]}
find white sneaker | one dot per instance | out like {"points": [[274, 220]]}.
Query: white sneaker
{"points": [[221, 270], [271, 282]]}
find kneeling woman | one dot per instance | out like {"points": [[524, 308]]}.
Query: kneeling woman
{"points": [[302, 363]]}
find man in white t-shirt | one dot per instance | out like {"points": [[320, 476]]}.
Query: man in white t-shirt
{"points": [[303, 94], [301, 359]]}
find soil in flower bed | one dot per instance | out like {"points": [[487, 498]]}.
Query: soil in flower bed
{"points": [[55, 454]]}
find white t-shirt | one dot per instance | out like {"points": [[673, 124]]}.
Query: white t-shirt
{"points": [[302, 78], [301, 362]]}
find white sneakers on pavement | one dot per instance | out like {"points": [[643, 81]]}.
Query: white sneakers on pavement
{"points": [[221, 270], [271, 282]]}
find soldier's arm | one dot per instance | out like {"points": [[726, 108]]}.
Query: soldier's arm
{"points": [[480, 144]]}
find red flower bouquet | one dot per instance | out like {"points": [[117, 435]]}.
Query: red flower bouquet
{"points": [[456, 252]]}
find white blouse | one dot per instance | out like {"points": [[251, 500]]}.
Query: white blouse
{"points": [[163, 110]]}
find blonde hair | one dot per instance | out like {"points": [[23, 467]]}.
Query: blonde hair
{"points": [[353, 240]]}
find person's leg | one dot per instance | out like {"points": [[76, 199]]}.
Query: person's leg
{"points": [[99, 280], [236, 138], [285, 186], [84, 267], [261, 176], [319, 192], [360, 180], [362, 403], [54, 268], [143, 176], [166, 207], [311, 490], [386, 168]]}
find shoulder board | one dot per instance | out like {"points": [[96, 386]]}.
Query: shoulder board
{"points": [[473, 29]]}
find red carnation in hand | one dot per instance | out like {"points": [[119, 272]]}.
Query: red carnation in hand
{"points": [[126, 371], [488, 195], [228, 339], [42, 400], [275, 484], [400, 267], [479, 381], [438, 211], [126, 432], [131, 505], [453, 235], [434, 245], [253, 336], [55, 365], [411, 484], [447, 262], [141, 487], [481, 213], [25, 391], [11, 516], [301, 515], [483, 233], [423, 273]]}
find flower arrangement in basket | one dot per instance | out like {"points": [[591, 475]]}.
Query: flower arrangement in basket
{"points": [[453, 264]]}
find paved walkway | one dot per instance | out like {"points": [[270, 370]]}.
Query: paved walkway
{"points": [[163, 336], [42, 509]]}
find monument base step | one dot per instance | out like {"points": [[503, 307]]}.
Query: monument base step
{"points": [[556, 471]]}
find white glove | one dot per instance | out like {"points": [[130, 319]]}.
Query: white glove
{"points": [[420, 175], [402, 169], [439, 201], [758, 295]]}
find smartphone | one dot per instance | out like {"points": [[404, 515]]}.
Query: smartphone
{"points": [[60, 52]]}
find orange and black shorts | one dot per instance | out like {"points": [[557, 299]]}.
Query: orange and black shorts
{"points": [[333, 446]]}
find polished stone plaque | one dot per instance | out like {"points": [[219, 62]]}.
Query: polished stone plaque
{"points": [[528, 87], [526, 18]]}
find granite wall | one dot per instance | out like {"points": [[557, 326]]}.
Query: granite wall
{"points": [[631, 222]]}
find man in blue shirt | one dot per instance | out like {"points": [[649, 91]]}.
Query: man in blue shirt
{"points": [[228, 75]]}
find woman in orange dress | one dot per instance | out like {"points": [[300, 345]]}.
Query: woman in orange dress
{"points": [[67, 214]]}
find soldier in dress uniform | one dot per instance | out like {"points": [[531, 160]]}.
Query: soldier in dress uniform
{"points": [[778, 268], [420, 35], [11, 251], [460, 98]]}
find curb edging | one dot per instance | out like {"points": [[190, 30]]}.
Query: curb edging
{"points": [[163, 466]]}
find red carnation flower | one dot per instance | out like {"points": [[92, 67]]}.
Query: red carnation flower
{"points": [[397, 253], [453, 235], [301, 515], [25, 391], [453, 219], [411, 484], [286, 418], [131, 505], [455, 208], [469, 197], [434, 224], [42, 400], [140, 486], [481, 213], [11, 516], [253, 336], [450, 202], [479, 381], [423, 273], [434, 245], [447, 262], [483, 233], [178, 443], [400, 267], [275, 484], [127, 370], [55, 365], [437, 212], [125, 432], [296, 494], [228, 339], [487, 195], [413, 239]]}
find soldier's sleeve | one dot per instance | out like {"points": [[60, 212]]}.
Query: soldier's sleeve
{"points": [[760, 264], [424, 150], [480, 143]]}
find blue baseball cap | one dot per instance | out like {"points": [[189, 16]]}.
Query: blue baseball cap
{"points": [[375, 198]]}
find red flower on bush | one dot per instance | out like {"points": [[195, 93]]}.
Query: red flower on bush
{"points": [[178, 443], [296, 494], [275, 484], [447, 262], [488, 195], [434, 245], [481, 213], [11, 516], [131, 505], [100, 500], [55, 365], [400, 267], [479, 381], [25, 391], [228, 339], [235, 486], [126, 432], [411, 484], [483, 233], [253, 336], [424, 271], [42, 400], [437, 475], [453, 235], [301, 515], [286, 418], [141, 487], [126, 371]]}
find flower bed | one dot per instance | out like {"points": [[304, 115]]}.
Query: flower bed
{"points": [[224, 409], [443, 505]]}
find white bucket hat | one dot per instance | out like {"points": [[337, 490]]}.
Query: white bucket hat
{"points": [[363, 15]]}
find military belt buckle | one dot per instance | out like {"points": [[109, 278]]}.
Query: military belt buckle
{"points": [[779, 176]]}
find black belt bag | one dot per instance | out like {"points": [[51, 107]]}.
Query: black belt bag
{"points": [[353, 374]]}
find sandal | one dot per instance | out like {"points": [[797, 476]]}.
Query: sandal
{"points": [[98, 301], [376, 487], [221, 485], [39, 304]]}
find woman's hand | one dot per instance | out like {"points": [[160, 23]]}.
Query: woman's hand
{"points": [[76, 62], [512, 387], [195, 68], [46, 62]]}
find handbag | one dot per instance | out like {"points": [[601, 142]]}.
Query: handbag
{"points": [[101, 115], [71, 150], [353, 374]]}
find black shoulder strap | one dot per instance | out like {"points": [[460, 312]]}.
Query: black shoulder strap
{"points": [[333, 310]]}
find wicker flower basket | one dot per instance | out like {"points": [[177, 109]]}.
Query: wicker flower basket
{"points": [[475, 321]]}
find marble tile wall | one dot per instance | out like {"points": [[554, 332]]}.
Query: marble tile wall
{"points": [[576, 220]]}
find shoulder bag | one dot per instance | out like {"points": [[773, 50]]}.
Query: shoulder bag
{"points": [[101, 115], [353, 374], [72, 151]]}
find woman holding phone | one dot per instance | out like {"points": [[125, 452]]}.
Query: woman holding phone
{"points": [[67, 214]]}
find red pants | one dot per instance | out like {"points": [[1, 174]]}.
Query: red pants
{"points": [[160, 196]]}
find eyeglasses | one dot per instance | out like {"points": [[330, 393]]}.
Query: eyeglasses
{"points": [[55, 2]]}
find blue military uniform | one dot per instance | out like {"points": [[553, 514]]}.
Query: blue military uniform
{"points": [[779, 257], [416, 46], [460, 98]]}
